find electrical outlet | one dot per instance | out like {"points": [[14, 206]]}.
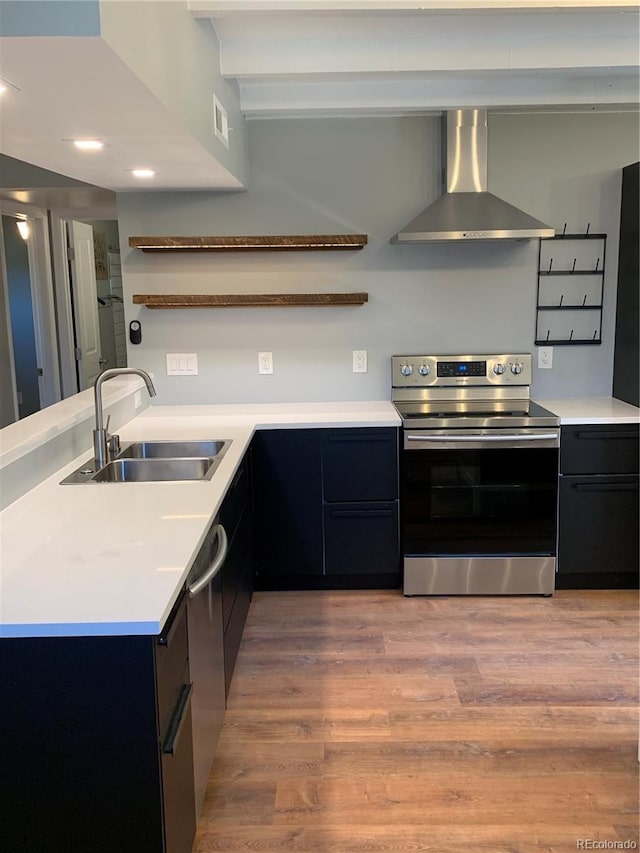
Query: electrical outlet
{"points": [[545, 357], [359, 361], [265, 362]]}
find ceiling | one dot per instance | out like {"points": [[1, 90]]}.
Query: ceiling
{"points": [[300, 58]]}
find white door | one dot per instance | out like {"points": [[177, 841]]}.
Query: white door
{"points": [[85, 302]]}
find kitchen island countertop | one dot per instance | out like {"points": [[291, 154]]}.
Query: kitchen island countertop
{"points": [[111, 558]]}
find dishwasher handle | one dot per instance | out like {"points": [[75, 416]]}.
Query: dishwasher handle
{"points": [[223, 546]]}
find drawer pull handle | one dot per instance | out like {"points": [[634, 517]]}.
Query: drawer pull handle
{"points": [[361, 513], [178, 720], [608, 434], [605, 487], [342, 439]]}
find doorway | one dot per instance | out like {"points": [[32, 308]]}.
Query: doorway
{"points": [[29, 373], [94, 292], [60, 310]]}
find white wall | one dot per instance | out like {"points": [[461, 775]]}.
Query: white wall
{"points": [[372, 175]]}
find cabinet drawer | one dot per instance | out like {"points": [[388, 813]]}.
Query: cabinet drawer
{"points": [[598, 529], [360, 464], [178, 798], [171, 664], [599, 449], [361, 538]]}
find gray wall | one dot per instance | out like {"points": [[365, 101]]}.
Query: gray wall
{"points": [[372, 175]]}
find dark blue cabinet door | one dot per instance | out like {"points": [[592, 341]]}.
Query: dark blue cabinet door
{"points": [[360, 464], [599, 449], [598, 524], [361, 538], [287, 505]]}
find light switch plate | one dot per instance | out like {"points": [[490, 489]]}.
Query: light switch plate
{"points": [[182, 364]]}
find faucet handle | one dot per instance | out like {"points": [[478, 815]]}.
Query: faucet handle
{"points": [[113, 442]]}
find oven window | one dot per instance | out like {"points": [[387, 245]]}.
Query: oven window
{"points": [[479, 502]]}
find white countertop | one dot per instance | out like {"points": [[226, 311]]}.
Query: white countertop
{"points": [[111, 558], [592, 410]]}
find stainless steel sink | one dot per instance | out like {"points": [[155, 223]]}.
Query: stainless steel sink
{"points": [[173, 449], [155, 470], [155, 461]]}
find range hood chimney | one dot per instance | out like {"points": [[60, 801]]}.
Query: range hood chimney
{"points": [[466, 211]]}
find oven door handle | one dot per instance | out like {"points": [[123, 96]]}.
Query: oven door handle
{"points": [[483, 439]]}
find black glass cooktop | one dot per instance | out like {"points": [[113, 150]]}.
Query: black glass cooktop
{"points": [[461, 414]]}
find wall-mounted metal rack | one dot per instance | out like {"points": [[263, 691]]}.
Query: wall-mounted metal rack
{"points": [[577, 296]]}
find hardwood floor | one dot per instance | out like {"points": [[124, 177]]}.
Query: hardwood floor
{"points": [[366, 722]]}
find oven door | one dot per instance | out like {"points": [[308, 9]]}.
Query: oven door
{"points": [[479, 501]]}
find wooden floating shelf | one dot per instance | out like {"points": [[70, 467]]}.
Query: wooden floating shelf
{"points": [[248, 300], [283, 243]]}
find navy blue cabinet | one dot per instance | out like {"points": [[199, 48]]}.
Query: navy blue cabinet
{"points": [[98, 750], [626, 360], [598, 507], [326, 508], [360, 464], [361, 538], [287, 507]]}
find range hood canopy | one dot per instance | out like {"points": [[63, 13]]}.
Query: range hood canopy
{"points": [[466, 211]]}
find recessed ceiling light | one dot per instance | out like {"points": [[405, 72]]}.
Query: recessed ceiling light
{"points": [[88, 144], [142, 173]]}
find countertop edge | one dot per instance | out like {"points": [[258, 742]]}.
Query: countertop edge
{"points": [[591, 410]]}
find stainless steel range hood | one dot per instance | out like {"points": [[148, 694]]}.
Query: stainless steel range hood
{"points": [[466, 211]]}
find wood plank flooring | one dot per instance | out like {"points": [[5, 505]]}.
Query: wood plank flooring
{"points": [[366, 722]]}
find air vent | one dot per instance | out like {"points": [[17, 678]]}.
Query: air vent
{"points": [[220, 122]]}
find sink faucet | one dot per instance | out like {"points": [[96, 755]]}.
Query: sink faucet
{"points": [[101, 438]]}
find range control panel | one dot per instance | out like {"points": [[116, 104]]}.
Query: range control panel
{"points": [[428, 371]]}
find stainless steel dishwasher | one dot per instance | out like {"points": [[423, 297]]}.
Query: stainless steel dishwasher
{"points": [[206, 654]]}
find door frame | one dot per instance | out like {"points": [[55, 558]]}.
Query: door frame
{"points": [[6, 344], [41, 281], [64, 309]]}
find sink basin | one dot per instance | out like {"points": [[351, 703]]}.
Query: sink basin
{"points": [[155, 470], [155, 461], [174, 449]]}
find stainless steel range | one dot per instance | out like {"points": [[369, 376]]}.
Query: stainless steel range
{"points": [[479, 474]]}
